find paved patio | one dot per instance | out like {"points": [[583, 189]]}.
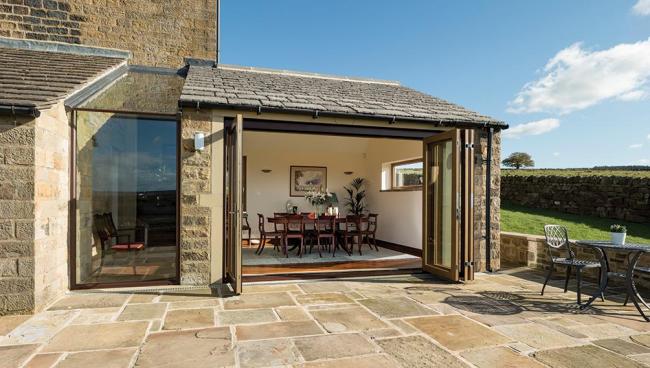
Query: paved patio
{"points": [[498, 321]]}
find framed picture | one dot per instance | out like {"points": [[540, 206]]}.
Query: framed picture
{"points": [[303, 179]]}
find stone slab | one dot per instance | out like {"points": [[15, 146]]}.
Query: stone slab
{"points": [[537, 335], [207, 348], [80, 301], [43, 360], [324, 287], [40, 328], [584, 356], [96, 315], [198, 303], [323, 298], [623, 346], [368, 361], [271, 288], [334, 346], [182, 319], [105, 358], [266, 353], [15, 355], [258, 301], [135, 312], [347, 319], [500, 357], [277, 329], [143, 298], [8, 323], [418, 352], [292, 314], [456, 332], [249, 316], [605, 330], [98, 336], [396, 307]]}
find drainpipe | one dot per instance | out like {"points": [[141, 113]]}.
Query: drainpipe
{"points": [[218, 34], [488, 202]]}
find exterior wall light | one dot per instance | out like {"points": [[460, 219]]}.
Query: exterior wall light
{"points": [[199, 141]]}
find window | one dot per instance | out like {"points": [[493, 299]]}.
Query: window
{"points": [[406, 175]]}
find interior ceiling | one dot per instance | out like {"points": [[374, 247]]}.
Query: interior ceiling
{"points": [[258, 140]]}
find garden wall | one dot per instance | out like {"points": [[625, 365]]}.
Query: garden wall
{"points": [[530, 250], [623, 198]]}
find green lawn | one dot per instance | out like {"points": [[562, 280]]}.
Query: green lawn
{"points": [[525, 220]]}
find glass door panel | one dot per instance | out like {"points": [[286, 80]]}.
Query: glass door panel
{"points": [[126, 191], [233, 204]]}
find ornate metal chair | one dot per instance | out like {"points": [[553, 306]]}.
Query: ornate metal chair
{"points": [[557, 239]]}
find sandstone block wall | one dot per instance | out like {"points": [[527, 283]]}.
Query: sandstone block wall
{"points": [[621, 198], [480, 167], [157, 32], [17, 142]]}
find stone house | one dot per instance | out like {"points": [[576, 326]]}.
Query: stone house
{"points": [[128, 155]]}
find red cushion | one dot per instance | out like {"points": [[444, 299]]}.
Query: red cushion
{"points": [[124, 246]]}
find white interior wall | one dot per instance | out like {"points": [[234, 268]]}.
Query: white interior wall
{"points": [[400, 213]]}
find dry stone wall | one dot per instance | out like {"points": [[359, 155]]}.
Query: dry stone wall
{"points": [[622, 198], [157, 32]]}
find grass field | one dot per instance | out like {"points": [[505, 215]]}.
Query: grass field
{"points": [[520, 219], [575, 172]]}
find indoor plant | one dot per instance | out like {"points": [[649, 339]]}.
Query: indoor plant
{"points": [[318, 199], [618, 233], [356, 200]]}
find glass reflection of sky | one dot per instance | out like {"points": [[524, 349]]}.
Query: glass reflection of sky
{"points": [[135, 155]]}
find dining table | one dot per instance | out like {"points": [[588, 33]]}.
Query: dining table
{"points": [[633, 253], [309, 219]]}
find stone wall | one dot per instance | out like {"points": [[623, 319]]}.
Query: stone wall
{"points": [[622, 198], [531, 251], [52, 196], [17, 141], [157, 32], [479, 200]]}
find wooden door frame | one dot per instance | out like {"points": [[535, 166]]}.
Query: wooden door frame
{"points": [[233, 207]]}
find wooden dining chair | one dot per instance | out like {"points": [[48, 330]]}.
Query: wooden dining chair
{"points": [[370, 232], [352, 231], [295, 229], [104, 234], [324, 228], [277, 237]]}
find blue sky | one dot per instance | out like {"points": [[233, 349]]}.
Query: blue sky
{"points": [[577, 73]]}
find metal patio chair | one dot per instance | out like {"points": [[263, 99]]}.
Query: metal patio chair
{"points": [[557, 239]]}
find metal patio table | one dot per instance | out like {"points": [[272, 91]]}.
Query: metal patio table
{"points": [[633, 254]]}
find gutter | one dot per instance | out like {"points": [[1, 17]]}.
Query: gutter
{"points": [[316, 113], [14, 110]]}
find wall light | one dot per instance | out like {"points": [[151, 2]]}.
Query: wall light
{"points": [[199, 141], [348, 172], [266, 171]]}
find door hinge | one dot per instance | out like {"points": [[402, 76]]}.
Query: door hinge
{"points": [[468, 263]]}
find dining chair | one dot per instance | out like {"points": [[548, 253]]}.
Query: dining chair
{"points": [[557, 241], [295, 229], [370, 232], [325, 228], [353, 230], [272, 236], [246, 227], [103, 231]]}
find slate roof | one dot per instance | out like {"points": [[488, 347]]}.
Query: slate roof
{"points": [[39, 79], [282, 91]]}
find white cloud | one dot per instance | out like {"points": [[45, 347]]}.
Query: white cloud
{"points": [[533, 128], [648, 136], [576, 78], [556, 154], [642, 7], [636, 145], [644, 161]]}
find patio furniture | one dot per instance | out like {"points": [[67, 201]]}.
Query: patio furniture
{"points": [[103, 230], [633, 254], [325, 228], [557, 239], [273, 236], [114, 232]]}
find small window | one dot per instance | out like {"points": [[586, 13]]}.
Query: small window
{"points": [[407, 174]]}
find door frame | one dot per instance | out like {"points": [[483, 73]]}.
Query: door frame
{"points": [[72, 208], [233, 206]]}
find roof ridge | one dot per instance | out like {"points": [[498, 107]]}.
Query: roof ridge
{"points": [[306, 74]]}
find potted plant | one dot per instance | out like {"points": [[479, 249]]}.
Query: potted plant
{"points": [[318, 199], [356, 200], [618, 233]]}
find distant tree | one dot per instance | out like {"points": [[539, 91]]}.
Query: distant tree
{"points": [[518, 160]]}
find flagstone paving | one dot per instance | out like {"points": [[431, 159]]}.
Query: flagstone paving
{"points": [[500, 320]]}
